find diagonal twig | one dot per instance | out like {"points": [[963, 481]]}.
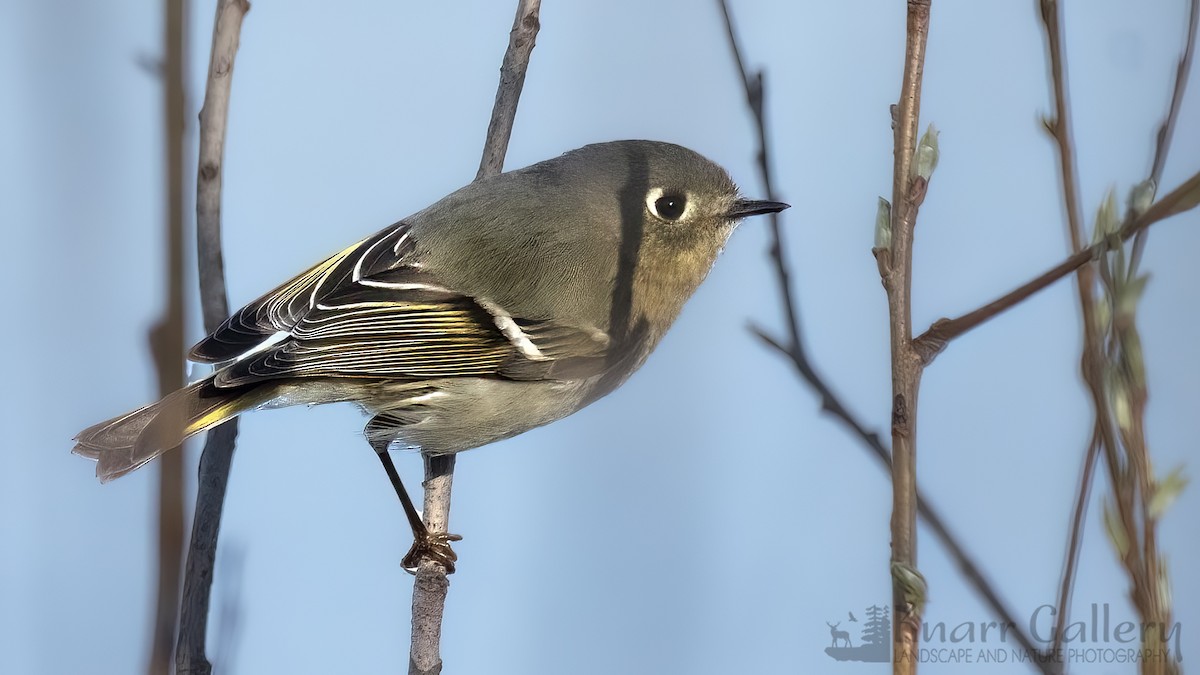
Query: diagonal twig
{"points": [[755, 91], [1162, 139], [217, 456], [930, 343], [1066, 587]]}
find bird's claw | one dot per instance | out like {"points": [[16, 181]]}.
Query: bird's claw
{"points": [[433, 546]]}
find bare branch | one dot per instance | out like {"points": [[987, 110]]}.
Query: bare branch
{"points": [[218, 447], [1162, 141], [1059, 127], [432, 585], [908, 191], [1066, 585], [754, 85], [930, 343], [521, 40]]}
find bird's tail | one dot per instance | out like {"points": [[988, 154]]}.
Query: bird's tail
{"points": [[124, 443]]}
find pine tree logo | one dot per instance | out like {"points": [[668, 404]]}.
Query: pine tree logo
{"points": [[874, 645]]}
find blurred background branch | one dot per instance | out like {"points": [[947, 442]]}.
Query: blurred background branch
{"points": [[1113, 363], [1166, 131], [166, 336]]}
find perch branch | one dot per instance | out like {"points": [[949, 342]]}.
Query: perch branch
{"points": [[217, 457], [521, 41], [432, 584]]}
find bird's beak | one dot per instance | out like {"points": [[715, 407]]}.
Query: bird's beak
{"points": [[754, 207]]}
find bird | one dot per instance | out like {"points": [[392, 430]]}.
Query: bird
{"points": [[508, 304], [852, 617]]}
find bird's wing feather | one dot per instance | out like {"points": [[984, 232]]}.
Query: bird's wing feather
{"points": [[371, 311], [282, 308]]}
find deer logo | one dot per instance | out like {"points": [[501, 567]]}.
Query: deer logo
{"points": [[838, 634]]}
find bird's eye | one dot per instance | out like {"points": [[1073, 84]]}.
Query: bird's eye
{"points": [[670, 206]]}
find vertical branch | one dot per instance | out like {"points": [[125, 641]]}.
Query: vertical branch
{"points": [[218, 447], [895, 265], [431, 584], [166, 341]]}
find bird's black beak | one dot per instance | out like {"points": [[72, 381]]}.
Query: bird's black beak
{"points": [[754, 207]]}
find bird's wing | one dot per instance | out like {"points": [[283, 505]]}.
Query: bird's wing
{"points": [[371, 311]]}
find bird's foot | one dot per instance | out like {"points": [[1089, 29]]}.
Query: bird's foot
{"points": [[433, 546]]}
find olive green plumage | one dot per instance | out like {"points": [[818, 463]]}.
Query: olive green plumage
{"points": [[510, 303]]}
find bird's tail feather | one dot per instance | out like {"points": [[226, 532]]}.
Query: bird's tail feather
{"points": [[125, 443]]}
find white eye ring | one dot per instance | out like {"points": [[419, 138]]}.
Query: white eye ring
{"points": [[656, 194]]}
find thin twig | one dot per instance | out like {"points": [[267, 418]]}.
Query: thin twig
{"points": [[431, 584], [795, 351], [930, 343], [166, 342], [218, 447], [1162, 140], [1060, 127], [1067, 585], [755, 91], [521, 40]]}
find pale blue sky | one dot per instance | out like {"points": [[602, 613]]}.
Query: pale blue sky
{"points": [[703, 519]]}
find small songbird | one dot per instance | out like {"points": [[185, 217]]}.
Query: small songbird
{"points": [[511, 303]]}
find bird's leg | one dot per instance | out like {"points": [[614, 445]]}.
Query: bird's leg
{"points": [[427, 545]]}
